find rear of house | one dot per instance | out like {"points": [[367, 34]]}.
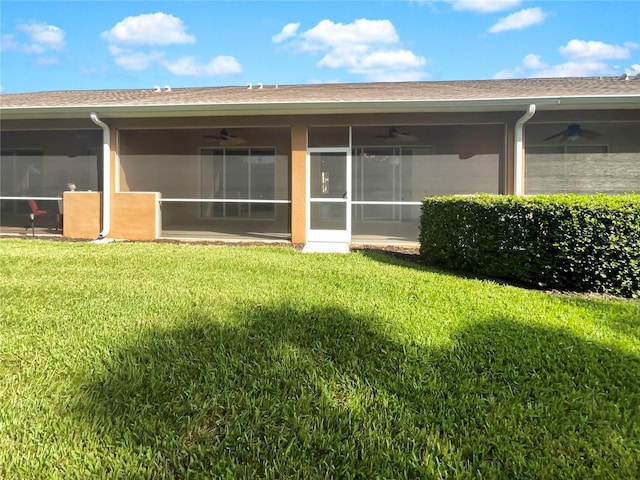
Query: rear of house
{"points": [[314, 164]]}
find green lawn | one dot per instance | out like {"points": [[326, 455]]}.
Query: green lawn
{"points": [[142, 360]]}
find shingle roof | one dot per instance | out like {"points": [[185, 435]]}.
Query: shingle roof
{"points": [[517, 89]]}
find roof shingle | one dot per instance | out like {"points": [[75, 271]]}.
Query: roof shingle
{"points": [[333, 93]]}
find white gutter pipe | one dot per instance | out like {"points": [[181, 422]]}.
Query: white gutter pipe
{"points": [[518, 167], [106, 176]]}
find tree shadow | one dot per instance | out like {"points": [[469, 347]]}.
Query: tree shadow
{"points": [[414, 261], [296, 392], [409, 258]]}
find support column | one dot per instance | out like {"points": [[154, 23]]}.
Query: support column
{"points": [[299, 183]]}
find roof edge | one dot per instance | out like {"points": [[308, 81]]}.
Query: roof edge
{"points": [[631, 101]]}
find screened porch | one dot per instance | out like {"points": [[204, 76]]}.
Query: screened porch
{"points": [[587, 158], [36, 167], [217, 183]]}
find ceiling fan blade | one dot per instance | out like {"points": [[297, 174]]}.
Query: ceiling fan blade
{"points": [[233, 140], [556, 135], [407, 137], [393, 136], [590, 134], [574, 132], [226, 139]]}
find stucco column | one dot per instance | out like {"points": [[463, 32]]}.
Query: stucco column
{"points": [[508, 178], [298, 183]]}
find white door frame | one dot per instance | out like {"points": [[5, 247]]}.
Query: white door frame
{"points": [[331, 236]]}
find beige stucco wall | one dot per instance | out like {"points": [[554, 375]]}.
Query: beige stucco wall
{"points": [[81, 214], [135, 215]]}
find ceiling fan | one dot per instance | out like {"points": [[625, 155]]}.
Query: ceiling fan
{"points": [[225, 138], [394, 136], [574, 132]]}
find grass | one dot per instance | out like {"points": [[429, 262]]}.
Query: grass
{"points": [[139, 360]]}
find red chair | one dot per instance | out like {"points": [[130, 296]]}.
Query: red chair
{"points": [[34, 208], [39, 212], [35, 212]]}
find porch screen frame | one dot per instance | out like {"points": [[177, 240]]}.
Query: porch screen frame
{"points": [[226, 201], [359, 189], [560, 149], [14, 153]]}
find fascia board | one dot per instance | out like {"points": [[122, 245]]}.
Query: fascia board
{"points": [[315, 108]]}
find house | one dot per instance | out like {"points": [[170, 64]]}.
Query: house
{"points": [[323, 165]]}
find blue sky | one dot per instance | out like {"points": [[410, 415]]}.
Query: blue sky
{"points": [[61, 45]]}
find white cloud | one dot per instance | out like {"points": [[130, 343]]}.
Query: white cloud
{"points": [[577, 69], [484, 6], [149, 29], [49, 37], [379, 65], [508, 73], [530, 62], [591, 50], [134, 60], [361, 32], [567, 69], [533, 61], [188, 66], [92, 70], [369, 48], [584, 59], [519, 20], [41, 38], [47, 60], [9, 43], [129, 37], [288, 31], [633, 70]]}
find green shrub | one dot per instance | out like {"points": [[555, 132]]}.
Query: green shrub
{"points": [[569, 242]]}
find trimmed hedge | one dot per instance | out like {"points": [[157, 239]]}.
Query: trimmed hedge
{"points": [[567, 242]]}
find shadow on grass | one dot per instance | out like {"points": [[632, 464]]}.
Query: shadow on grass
{"points": [[402, 256], [411, 259], [414, 261], [314, 393]]}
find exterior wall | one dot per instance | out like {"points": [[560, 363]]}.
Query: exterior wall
{"points": [[135, 216], [81, 214]]}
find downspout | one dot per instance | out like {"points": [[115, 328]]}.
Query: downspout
{"points": [[106, 175], [519, 151]]}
